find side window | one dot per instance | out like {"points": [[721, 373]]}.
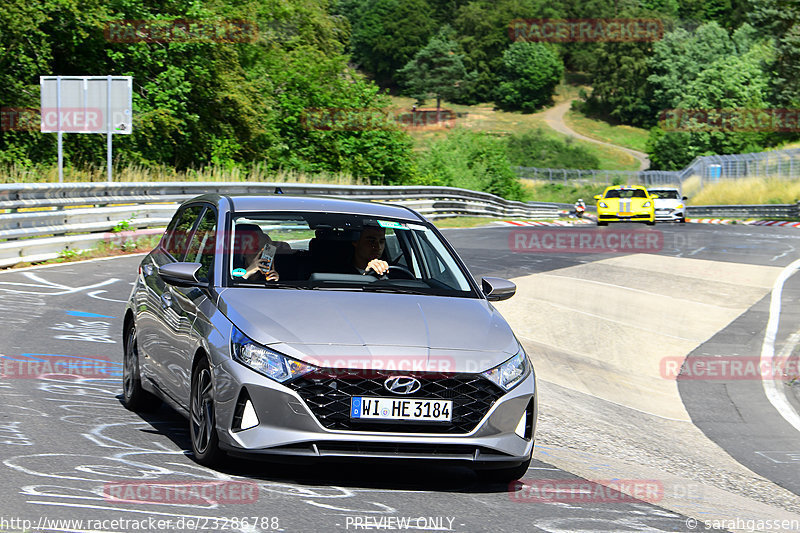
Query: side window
{"points": [[203, 244], [178, 241]]}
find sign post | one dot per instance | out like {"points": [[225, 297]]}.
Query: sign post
{"points": [[86, 104]]}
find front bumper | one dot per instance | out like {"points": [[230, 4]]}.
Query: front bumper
{"points": [[288, 428], [670, 215], [607, 216]]}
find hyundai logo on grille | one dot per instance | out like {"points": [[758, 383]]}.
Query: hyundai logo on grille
{"points": [[402, 385]]}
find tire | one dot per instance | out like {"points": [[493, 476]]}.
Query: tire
{"points": [[602, 223], [202, 419], [682, 220], [134, 397], [651, 222], [505, 475]]}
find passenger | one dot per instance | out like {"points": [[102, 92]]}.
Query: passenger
{"points": [[255, 267], [368, 249]]}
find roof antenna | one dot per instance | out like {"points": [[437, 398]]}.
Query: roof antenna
{"points": [[278, 190]]}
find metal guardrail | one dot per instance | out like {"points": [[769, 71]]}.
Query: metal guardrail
{"points": [[39, 221], [745, 211]]}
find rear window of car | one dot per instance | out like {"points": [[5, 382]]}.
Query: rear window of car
{"points": [[626, 193]]}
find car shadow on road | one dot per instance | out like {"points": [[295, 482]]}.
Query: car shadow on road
{"points": [[367, 473]]}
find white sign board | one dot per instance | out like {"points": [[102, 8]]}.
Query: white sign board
{"points": [[87, 104]]}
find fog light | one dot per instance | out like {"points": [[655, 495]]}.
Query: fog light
{"points": [[521, 426], [249, 417]]}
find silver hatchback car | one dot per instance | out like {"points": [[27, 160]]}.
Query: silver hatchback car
{"points": [[322, 328]]}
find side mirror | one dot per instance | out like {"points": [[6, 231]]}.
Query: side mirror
{"points": [[685, 197], [181, 274], [497, 289], [596, 196]]}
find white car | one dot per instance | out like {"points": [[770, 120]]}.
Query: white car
{"points": [[670, 205]]}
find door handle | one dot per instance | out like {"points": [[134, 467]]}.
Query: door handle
{"points": [[166, 300]]}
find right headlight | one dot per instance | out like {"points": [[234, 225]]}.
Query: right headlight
{"points": [[509, 374], [602, 204], [268, 362]]}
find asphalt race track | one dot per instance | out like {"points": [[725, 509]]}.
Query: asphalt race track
{"points": [[685, 452]]}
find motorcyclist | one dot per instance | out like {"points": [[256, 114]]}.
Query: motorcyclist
{"points": [[580, 208]]}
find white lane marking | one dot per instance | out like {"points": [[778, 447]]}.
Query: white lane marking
{"points": [[71, 263], [45, 284], [776, 395], [95, 294], [784, 254]]}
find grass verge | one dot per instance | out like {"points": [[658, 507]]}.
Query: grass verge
{"points": [[620, 134], [770, 190], [485, 118], [138, 173]]}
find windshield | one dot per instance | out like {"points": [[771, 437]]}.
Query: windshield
{"points": [[332, 251], [666, 195], [626, 193]]}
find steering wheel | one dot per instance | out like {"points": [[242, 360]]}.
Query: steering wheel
{"points": [[406, 273]]}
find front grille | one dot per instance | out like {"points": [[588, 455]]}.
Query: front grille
{"points": [[328, 392]]}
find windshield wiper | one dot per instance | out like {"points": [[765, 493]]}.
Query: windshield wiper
{"points": [[402, 289], [279, 285]]}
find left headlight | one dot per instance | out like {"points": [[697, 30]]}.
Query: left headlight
{"points": [[646, 204], [512, 372], [268, 362], [602, 204]]}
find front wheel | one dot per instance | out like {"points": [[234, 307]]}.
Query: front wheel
{"points": [[202, 425], [602, 223], [134, 397]]}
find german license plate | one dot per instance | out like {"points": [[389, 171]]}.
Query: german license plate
{"points": [[401, 409]]}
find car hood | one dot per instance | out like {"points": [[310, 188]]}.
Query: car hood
{"points": [[669, 203], [344, 329], [627, 203]]}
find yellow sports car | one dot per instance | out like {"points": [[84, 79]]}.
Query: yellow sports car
{"points": [[625, 203]]}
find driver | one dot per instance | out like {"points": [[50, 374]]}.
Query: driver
{"points": [[368, 249]]}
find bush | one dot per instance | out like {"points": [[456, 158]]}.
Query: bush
{"points": [[470, 160], [534, 149]]}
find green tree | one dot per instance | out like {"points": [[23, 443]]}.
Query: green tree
{"points": [[387, 33], [436, 71], [680, 57], [729, 83], [619, 82], [482, 31], [780, 19], [530, 74]]}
